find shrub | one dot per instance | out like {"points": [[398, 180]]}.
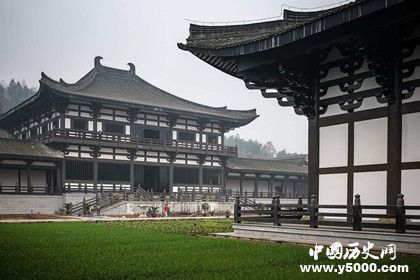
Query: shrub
{"points": [[68, 207]]}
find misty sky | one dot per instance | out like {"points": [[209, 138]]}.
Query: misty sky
{"points": [[61, 38]]}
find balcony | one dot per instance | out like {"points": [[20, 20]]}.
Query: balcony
{"points": [[90, 138]]}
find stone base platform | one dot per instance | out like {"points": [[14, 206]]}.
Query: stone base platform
{"points": [[407, 243]]}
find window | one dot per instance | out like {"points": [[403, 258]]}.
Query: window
{"points": [[212, 139], [79, 170], [44, 128], [186, 136], [151, 133], [113, 172], [79, 124], [24, 136], [211, 176], [114, 128], [183, 175], [33, 132]]}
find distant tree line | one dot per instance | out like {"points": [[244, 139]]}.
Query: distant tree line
{"points": [[255, 149], [13, 93]]}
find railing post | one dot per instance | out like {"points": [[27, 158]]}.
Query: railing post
{"points": [[357, 213], [193, 194], [299, 208], [275, 209], [97, 199], [237, 211], [313, 211], [400, 214]]}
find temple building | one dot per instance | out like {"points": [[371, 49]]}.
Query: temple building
{"points": [[111, 131], [353, 72], [117, 132], [264, 178]]}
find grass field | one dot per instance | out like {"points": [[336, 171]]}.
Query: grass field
{"points": [[154, 250]]}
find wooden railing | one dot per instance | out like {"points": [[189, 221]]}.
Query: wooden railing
{"points": [[261, 194], [30, 189], [314, 214], [170, 145]]}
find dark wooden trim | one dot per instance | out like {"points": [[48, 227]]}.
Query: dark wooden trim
{"points": [[412, 107], [333, 170], [371, 168], [354, 117], [357, 168], [410, 165], [341, 98]]}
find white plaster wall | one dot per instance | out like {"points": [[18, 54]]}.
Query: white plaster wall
{"points": [[368, 83], [370, 141], [334, 73], [332, 190], [76, 197], [27, 204], [410, 188], [262, 186], [333, 144], [8, 177], [410, 137], [414, 76], [372, 189], [370, 103], [233, 184], [38, 178], [248, 185], [415, 97]]}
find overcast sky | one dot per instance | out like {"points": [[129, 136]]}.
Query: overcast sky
{"points": [[62, 38]]}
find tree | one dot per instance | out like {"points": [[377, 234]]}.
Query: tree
{"points": [[2, 98], [13, 94], [253, 148]]}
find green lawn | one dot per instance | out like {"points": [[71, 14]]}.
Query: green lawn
{"points": [[154, 250]]}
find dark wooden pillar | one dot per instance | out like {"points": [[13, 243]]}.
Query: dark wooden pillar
{"points": [[241, 183], [313, 133], [171, 177], [201, 160], [19, 179], [95, 173], [270, 185], [257, 176], [394, 129], [350, 163], [313, 157], [131, 175], [200, 178], [172, 158], [63, 175], [29, 176]]}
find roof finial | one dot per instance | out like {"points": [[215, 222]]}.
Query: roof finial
{"points": [[132, 68], [98, 61]]}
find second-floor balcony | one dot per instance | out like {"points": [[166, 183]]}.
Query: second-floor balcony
{"points": [[129, 142]]}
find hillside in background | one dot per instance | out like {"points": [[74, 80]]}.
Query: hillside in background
{"points": [[14, 93], [255, 149]]}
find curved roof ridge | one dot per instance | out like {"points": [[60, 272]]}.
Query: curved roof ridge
{"points": [[161, 91], [213, 37], [120, 85]]}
